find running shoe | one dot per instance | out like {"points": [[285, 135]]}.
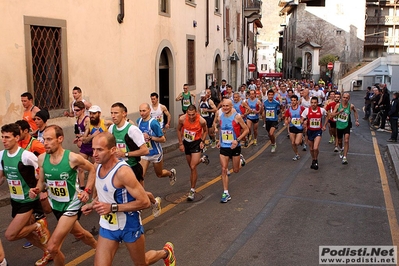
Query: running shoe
{"points": [[331, 140], [344, 160], [336, 149], [304, 147], [341, 153], [255, 142], [228, 173], [316, 165], [205, 159], [296, 158], [172, 177], [27, 245], [264, 125], [42, 231], [191, 195], [312, 165], [274, 146], [381, 130], [242, 160], [391, 140], [246, 143], [225, 198], [213, 144], [156, 207], [44, 260], [171, 259]]}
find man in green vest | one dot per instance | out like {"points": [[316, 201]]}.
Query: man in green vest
{"points": [[58, 170], [344, 124], [18, 169], [185, 98]]}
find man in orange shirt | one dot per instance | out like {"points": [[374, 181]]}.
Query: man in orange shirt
{"points": [[30, 110], [28, 142]]}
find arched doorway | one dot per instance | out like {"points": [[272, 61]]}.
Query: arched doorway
{"points": [[217, 69], [164, 78]]}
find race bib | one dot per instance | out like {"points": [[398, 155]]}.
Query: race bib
{"points": [[58, 190], [111, 219], [315, 123], [343, 117], [122, 148], [204, 113], [270, 114], [296, 122], [15, 187], [149, 145], [189, 136], [227, 136], [159, 118], [186, 102]]}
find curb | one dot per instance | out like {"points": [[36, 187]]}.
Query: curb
{"points": [[393, 154]]}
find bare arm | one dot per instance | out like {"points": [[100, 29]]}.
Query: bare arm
{"points": [[77, 161], [179, 97], [168, 116]]}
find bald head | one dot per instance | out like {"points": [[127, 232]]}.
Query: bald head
{"points": [[145, 111]]}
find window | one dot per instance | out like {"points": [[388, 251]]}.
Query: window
{"points": [[338, 32], [227, 24], [47, 72], [191, 3], [217, 6], [164, 7], [191, 61], [263, 67], [238, 26], [263, 57]]}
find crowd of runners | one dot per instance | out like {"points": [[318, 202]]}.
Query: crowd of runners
{"points": [[108, 173]]}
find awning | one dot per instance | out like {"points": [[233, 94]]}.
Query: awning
{"points": [[271, 75]]}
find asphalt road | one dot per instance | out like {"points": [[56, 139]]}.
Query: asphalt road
{"points": [[280, 213]]}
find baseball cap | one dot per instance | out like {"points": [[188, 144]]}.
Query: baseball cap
{"points": [[95, 109], [202, 94]]}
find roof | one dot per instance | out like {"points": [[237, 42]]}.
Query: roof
{"points": [[312, 44]]}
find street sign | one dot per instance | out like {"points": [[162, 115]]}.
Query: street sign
{"points": [[251, 67], [330, 65]]}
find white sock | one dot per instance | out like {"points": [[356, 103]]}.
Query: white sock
{"points": [[192, 189], [3, 263], [226, 191]]}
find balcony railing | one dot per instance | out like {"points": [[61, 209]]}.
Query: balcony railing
{"points": [[253, 9], [381, 40], [255, 4], [382, 20]]}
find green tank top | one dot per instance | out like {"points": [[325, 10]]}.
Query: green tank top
{"points": [[186, 101], [62, 184], [16, 173], [344, 117], [121, 143]]}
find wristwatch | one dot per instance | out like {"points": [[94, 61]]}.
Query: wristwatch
{"points": [[126, 154], [114, 207]]}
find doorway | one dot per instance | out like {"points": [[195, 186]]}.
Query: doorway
{"points": [[164, 79]]}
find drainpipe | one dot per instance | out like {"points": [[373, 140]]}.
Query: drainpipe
{"points": [[207, 24], [121, 15]]}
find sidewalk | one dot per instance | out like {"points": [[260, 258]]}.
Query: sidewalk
{"points": [[170, 145]]}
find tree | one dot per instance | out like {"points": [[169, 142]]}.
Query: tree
{"points": [[316, 32]]}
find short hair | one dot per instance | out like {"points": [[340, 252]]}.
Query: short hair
{"points": [[80, 105], [314, 98], [192, 107], [120, 105], [396, 94], [76, 88], [27, 95], [23, 124], [11, 128], [110, 138], [58, 130], [270, 91], [185, 84], [223, 80], [154, 94], [294, 97]]}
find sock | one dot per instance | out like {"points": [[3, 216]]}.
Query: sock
{"points": [[192, 189], [226, 191]]}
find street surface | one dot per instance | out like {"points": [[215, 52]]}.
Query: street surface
{"points": [[280, 213]]}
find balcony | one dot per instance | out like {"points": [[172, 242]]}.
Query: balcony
{"points": [[382, 20], [381, 41], [253, 10]]}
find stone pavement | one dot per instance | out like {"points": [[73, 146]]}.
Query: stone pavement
{"points": [[170, 145]]}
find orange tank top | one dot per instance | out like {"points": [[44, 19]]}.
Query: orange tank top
{"points": [[192, 130], [29, 118]]}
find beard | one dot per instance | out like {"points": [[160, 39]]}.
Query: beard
{"points": [[94, 121]]}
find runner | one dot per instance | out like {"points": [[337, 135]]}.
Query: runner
{"points": [[255, 107], [153, 136], [305, 102], [158, 111], [191, 133], [332, 120], [272, 111], [57, 172], [119, 207], [30, 109], [18, 168], [232, 131], [344, 124], [241, 108], [185, 98], [293, 119], [314, 116], [207, 111]]}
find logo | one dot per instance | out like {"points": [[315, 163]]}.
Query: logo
{"points": [[371, 255], [64, 175]]}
